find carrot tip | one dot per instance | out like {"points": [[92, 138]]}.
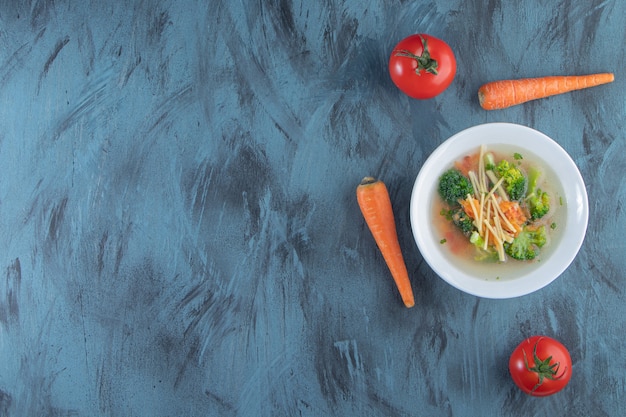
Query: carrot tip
{"points": [[368, 180], [481, 97]]}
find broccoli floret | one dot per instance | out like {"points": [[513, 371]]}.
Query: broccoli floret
{"points": [[514, 180], [526, 244], [460, 219], [454, 186], [538, 204], [538, 201], [463, 222]]}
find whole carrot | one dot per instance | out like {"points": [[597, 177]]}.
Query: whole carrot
{"points": [[375, 204], [506, 93]]}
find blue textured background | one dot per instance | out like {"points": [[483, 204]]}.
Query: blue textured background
{"points": [[180, 236]]}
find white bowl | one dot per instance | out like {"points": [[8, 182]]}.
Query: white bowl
{"points": [[495, 280]]}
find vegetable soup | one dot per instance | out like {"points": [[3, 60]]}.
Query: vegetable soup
{"points": [[466, 254]]}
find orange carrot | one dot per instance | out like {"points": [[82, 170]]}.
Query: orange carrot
{"points": [[467, 208], [468, 163], [513, 212], [374, 202], [506, 93]]}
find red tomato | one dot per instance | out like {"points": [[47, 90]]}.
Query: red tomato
{"points": [[422, 66], [540, 366]]}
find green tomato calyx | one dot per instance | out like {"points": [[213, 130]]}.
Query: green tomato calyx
{"points": [[424, 61], [542, 368]]}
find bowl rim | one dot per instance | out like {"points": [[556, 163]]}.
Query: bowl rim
{"points": [[552, 154]]}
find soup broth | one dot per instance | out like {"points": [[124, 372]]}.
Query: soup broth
{"points": [[457, 247]]}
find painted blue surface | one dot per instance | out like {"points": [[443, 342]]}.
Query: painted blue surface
{"points": [[180, 235]]}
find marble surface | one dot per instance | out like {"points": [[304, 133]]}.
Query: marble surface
{"points": [[180, 235]]}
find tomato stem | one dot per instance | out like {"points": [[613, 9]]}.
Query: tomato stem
{"points": [[424, 61]]}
